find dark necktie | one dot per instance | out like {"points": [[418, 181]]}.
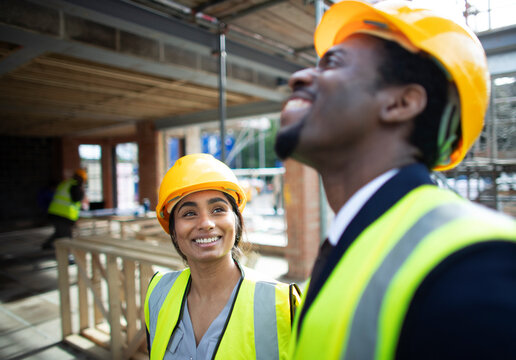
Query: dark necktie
{"points": [[320, 262]]}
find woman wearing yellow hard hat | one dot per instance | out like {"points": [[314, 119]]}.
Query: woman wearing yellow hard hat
{"points": [[215, 308]]}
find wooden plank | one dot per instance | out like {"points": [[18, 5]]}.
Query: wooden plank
{"points": [[130, 299], [114, 306], [96, 71], [96, 286], [98, 335], [96, 296], [85, 345], [158, 251], [152, 94], [80, 259], [146, 273], [63, 281]]}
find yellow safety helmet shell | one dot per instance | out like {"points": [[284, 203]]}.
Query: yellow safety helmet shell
{"points": [[192, 173], [456, 48]]}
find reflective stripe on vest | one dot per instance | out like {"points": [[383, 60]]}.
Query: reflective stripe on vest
{"points": [[62, 204], [259, 308], [362, 306], [161, 289]]}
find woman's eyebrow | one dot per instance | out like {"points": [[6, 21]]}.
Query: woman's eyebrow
{"points": [[187, 203], [217, 199]]}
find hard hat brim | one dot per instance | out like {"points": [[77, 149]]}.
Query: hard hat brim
{"points": [[232, 189]]}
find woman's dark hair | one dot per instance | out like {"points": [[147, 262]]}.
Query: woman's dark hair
{"points": [[236, 251], [400, 67]]}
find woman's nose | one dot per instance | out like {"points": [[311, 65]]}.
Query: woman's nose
{"points": [[302, 78], [206, 222]]}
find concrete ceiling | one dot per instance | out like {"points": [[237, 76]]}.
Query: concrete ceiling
{"points": [[96, 67]]}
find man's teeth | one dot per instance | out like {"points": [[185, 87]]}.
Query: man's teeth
{"points": [[207, 240], [297, 104]]}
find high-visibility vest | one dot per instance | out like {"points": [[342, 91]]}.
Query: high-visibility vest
{"points": [[258, 326], [62, 204], [359, 311]]}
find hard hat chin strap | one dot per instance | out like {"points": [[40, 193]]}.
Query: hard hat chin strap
{"points": [[449, 126]]}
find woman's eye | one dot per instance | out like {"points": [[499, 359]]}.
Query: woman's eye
{"points": [[218, 209], [188, 213]]}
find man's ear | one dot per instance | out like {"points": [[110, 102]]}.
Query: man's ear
{"points": [[402, 103]]}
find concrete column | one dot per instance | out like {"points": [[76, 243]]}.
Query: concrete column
{"points": [[107, 174], [193, 140], [301, 192]]}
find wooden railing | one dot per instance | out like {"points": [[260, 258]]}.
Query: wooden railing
{"points": [[112, 278], [124, 227]]}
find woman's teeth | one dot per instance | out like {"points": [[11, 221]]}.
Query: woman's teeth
{"points": [[296, 104], [207, 240]]}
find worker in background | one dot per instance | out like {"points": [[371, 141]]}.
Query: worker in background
{"points": [[65, 207], [215, 308], [409, 271]]}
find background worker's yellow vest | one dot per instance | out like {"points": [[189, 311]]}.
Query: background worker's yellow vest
{"points": [[259, 323], [359, 311], [62, 204]]}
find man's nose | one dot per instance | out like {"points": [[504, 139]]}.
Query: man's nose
{"points": [[302, 78]]}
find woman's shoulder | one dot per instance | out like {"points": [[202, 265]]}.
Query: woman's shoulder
{"points": [[168, 276]]}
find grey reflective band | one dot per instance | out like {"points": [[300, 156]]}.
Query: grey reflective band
{"points": [[156, 299], [265, 324], [362, 342]]}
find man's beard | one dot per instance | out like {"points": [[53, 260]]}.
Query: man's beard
{"points": [[287, 140]]}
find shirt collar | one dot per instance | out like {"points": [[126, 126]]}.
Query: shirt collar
{"points": [[348, 211]]}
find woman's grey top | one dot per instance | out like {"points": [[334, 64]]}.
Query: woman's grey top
{"points": [[181, 345]]}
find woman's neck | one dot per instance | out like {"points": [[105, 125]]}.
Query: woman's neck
{"points": [[214, 278]]}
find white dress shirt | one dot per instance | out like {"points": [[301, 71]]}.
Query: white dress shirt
{"points": [[354, 204]]}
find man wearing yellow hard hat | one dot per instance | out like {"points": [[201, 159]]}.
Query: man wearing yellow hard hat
{"points": [[409, 270], [64, 209]]}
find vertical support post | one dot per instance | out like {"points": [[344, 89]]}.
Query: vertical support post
{"points": [[130, 299], [261, 149], [489, 14], [113, 281], [80, 259], [96, 276], [319, 11], [493, 142], [222, 91], [64, 290]]}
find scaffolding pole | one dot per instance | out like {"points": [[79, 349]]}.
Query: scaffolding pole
{"points": [[222, 92]]}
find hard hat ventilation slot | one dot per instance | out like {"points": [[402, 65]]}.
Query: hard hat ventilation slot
{"points": [[378, 24], [449, 127]]}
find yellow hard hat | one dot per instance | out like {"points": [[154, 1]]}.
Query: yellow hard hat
{"points": [[82, 173], [193, 173], [454, 46]]}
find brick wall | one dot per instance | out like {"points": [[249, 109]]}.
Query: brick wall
{"points": [[302, 212], [149, 145]]}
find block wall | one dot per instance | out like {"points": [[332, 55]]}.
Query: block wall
{"points": [[29, 169]]}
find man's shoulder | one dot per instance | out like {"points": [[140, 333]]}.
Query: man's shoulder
{"points": [[464, 306]]}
